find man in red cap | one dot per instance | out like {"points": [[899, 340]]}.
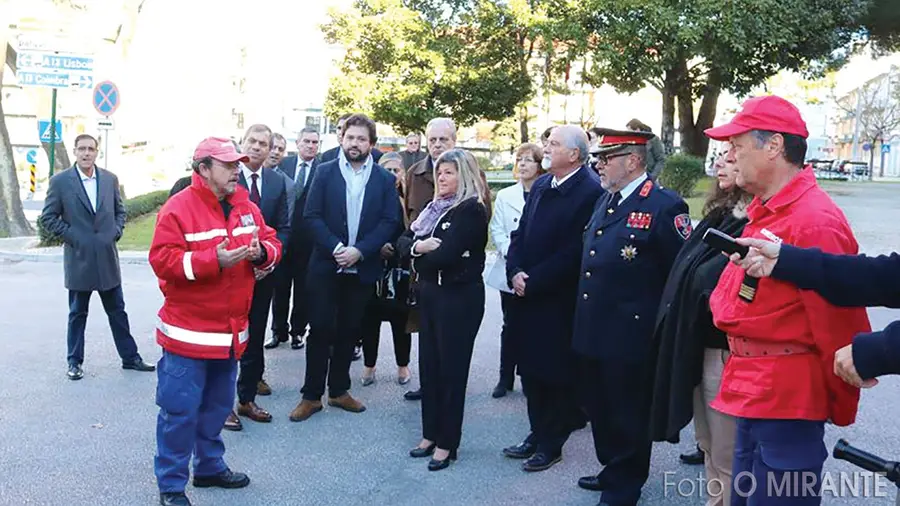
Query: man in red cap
{"points": [[779, 382], [209, 246]]}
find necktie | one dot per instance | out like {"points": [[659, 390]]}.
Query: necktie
{"points": [[254, 189], [301, 177], [613, 202]]}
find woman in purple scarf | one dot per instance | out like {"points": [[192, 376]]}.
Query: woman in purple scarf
{"points": [[446, 243]]}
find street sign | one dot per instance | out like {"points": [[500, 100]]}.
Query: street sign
{"points": [[106, 98], [44, 130], [867, 147], [40, 41], [31, 156], [885, 148], [50, 69], [105, 124], [57, 80]]}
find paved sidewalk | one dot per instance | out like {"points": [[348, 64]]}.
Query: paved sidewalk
{"points": [[25, 249]]}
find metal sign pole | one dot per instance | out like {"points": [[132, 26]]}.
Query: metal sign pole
{"points": [[53, 133]]}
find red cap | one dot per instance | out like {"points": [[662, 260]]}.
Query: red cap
{"points": [[220, 149], [771, 113]]}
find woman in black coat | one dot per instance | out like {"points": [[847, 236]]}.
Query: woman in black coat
{"points": [[691, 350], [446, 243]]}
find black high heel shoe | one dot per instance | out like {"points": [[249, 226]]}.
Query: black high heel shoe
{"points": [[418, 452], [437, 465]]}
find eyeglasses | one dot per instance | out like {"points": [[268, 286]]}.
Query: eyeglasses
{"points": [[604, 159]]}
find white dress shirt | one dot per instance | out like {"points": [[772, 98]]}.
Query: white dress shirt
{"points": [[248, 176], [556, 183], [630, 187], [90, 186]]}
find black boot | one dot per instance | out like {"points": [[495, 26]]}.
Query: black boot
{"points": [[693, 458]]}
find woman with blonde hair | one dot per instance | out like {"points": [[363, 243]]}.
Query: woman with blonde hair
{"points": [[446, 243], [505, 220]]}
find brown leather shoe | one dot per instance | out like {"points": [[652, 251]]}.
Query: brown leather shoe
{"points": [[233, 422], [347, 403], [263, 388], [254, 412], [305, 409]]}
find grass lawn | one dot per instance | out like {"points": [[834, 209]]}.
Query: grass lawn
{"points": [[695, 203], [138, 233]]}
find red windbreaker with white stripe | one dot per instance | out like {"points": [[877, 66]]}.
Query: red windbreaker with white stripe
{"points": [[206, 308]]}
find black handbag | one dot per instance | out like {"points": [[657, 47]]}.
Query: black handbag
{"points": [[393, 287]]}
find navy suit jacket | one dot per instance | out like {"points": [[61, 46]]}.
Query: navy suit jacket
{"points": [[625, 261], [274, 203], [332, 154], [300, 233], [547, 246], [326, 216], [851, 281]]}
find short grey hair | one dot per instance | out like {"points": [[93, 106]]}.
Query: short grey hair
{"points": [[308, 130], [436, 122], [575, 138]]}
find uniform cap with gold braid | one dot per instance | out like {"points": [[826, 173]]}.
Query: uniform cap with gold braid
{"points": [[609, 140]]}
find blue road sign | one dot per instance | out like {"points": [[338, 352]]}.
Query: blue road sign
{"points": [[60, 80], [31, 156], [106, 98], [43, 61], [885, 148], [44, 130]]}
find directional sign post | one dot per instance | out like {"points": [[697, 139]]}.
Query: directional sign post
{"points": [[106, 102], [42, 63], [885, 148]]}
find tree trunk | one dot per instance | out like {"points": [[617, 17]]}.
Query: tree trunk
{"points": [[872, 160], [12, 216], [61, 161], [693, 141], [523, 124], [667, 129]]}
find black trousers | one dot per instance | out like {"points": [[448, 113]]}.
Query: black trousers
{"points": [[253, 362], [335, 326], [376, 312], [114, 304], [553, 413], [450, 319], [617, 398], [290, 278], [508, 359]]}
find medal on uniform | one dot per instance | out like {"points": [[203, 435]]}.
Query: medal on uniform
{"points": [[640, 221], [629, 252], [247, 220]]}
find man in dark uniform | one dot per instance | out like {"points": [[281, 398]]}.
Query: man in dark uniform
{"points": [[542, 266], [629, 246]]}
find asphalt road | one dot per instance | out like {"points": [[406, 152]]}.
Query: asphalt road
{"points": [[92, 442]]}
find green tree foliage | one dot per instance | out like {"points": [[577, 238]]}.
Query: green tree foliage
{"points": [[691, 50], [882, 26], [408, 61]]}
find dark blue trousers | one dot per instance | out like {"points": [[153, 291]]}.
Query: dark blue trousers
{"points": [[778, 462], [114, 304], [194, 399]]}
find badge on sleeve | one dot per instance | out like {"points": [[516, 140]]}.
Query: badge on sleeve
{"points": [[683, 225], [247, 220], [645, 190], [640, 221]]}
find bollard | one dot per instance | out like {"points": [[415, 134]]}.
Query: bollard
{"points": [[33, 169]]}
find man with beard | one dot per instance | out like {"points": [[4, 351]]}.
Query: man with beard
{"points": [[269, 191], [352, 212], [630, 243]]}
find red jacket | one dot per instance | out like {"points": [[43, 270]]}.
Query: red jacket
{"points": [[801, 385], [206, 308]]}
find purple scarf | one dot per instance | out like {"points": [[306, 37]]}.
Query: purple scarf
{"points": [[429, 217]]}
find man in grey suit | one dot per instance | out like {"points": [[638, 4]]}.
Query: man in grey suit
{"points": [[83, 206]]}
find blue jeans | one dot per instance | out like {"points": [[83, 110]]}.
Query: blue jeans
{"points": [[194, 398], [114, 304], [778, 462]]}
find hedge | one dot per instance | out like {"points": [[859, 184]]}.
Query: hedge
{"points": [[681, 174], [134, 208]]}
